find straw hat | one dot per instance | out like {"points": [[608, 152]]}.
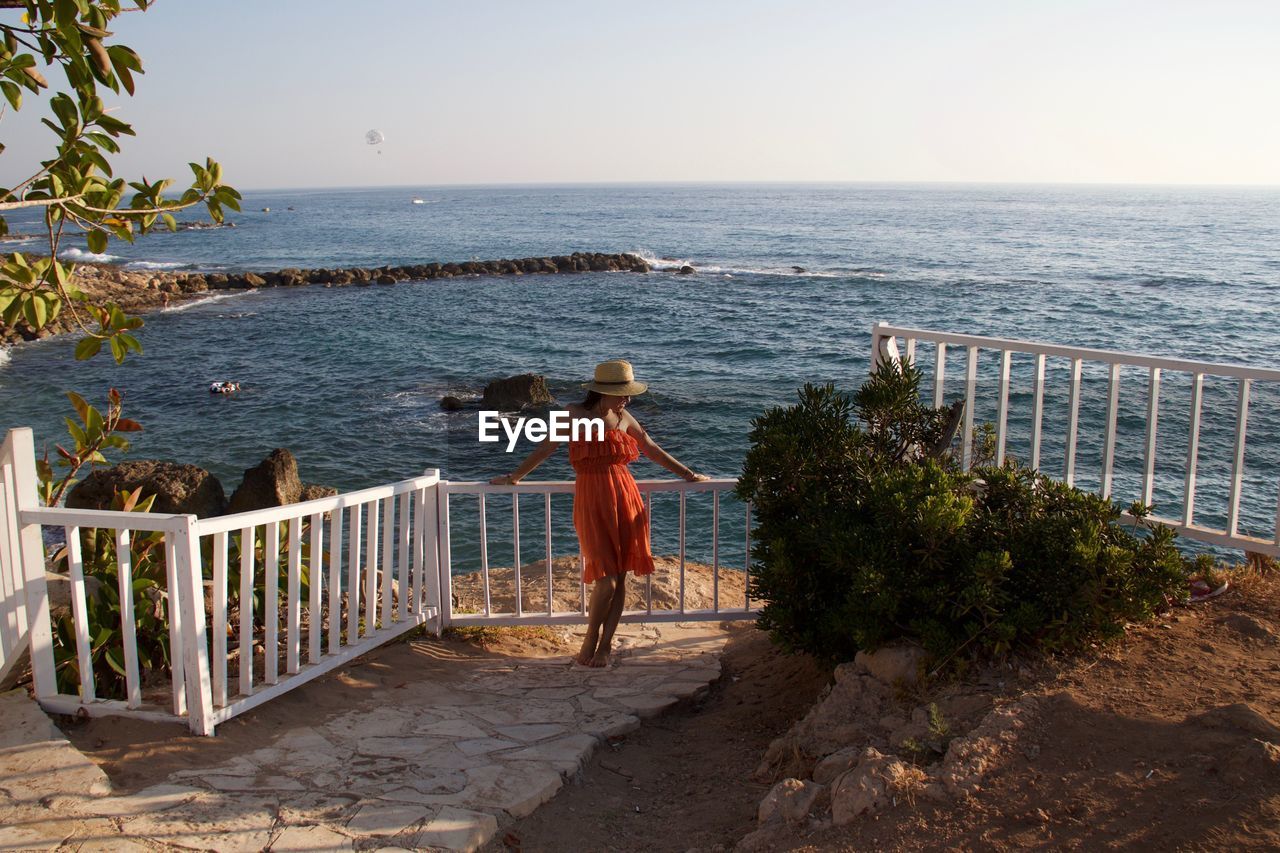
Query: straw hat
{"points": [[615, 378]]}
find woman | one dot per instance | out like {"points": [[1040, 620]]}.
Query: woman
{"points": [[608, 512]]}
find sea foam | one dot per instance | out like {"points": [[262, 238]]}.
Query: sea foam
{"points": [[81, 256]]}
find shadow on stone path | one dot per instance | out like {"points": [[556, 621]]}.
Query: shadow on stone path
{"points": [[429, 764]]}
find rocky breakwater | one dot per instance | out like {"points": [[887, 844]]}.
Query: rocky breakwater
{"points": [[141, 291]]}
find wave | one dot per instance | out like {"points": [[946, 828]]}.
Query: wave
{"points": [[74, 254], [5, 356], [156, 265], [217, 297], [665, 264]]}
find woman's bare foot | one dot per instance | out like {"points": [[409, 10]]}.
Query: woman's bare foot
{"points": [[583, 658], [600, 659]]}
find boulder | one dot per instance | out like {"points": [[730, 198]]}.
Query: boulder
{"points": [[836, 764], [272, 482], [386, 278], [790, 800], [450, 403], [874, 785], [687, 270], [516, 392], [254, 280], [311, 492], [179, 489], [892, 664]]}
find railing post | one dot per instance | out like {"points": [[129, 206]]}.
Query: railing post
{"points": [[443, 565], [883, 347], [195, 648], [31, 551], [429, 588]]}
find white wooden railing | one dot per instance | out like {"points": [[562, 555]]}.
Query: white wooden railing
{"points": [[335, 577], [884, 345], [577, 613], [387, 584]]}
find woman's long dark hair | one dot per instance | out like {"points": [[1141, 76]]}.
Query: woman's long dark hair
{"points": [[590, 401]]}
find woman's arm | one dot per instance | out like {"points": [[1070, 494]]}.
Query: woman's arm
{"points": [[533, 460], [657, 454]]}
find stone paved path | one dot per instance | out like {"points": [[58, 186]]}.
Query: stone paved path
{"points": [[444, 767]]}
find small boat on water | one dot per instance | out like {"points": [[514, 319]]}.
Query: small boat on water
{"points": [[417, 200]]}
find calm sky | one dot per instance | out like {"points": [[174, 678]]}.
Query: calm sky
{"points": [[283, 92]]}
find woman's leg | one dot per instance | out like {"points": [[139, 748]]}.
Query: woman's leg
{"points": [[616, 603], [598, 611]]}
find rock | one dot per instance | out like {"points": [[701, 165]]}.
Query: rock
{"points": [[179, 489], [872, 786], [687, 270], [386, 279], [273, 482], [892, 664], [450, 403], [254, 280], [797, 269], [789, 800], [516, 392], [311, 492], [836, 764]]}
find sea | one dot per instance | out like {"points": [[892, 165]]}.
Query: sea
{"points": [[789, 281]]}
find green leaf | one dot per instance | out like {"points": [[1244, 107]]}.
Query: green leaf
{"points": [[12, 93], [35, 310], [118, 349], [88, 348], [92, 424], [12, 312], [76, 432]]}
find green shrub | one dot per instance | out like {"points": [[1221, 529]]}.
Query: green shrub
{"points": [[862, 537]]}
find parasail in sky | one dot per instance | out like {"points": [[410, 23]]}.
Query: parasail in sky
{"points": [[375, 137]]}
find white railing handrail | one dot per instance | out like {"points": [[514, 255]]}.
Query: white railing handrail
{"points": [[287, 512], [1237, 371], [60, 516], [560, 487]]}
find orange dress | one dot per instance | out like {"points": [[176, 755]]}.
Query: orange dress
{"points": [[608, 512]]}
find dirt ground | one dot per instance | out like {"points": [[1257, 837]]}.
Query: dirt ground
{"points": [[1161, 740], [1155, 742]]}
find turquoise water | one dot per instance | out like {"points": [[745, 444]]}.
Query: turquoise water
{"points": [[349, 379]]}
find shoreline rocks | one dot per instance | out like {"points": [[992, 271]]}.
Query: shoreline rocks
{"points": [[139, 291], [178, 488], [183, 489], [528, 390]]}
